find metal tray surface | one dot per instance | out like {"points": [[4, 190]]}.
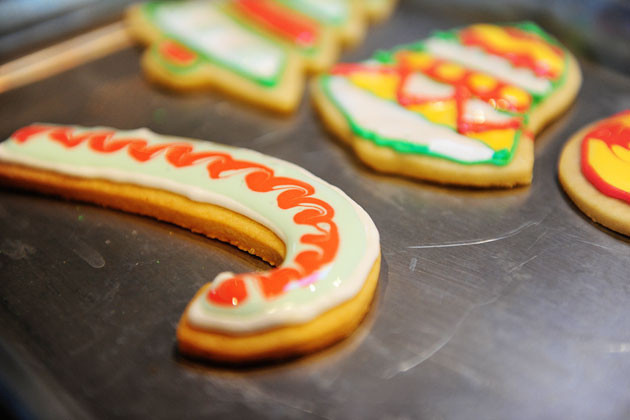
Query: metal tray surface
{"points": [[491, 304]]}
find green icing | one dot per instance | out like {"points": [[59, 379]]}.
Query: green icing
{"points": [[533, 28], [151, 10], [314, 9], [352, 232], [500, 157], [385, 57]]}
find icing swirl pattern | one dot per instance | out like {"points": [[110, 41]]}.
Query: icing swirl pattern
{"points": [[606, 156]]}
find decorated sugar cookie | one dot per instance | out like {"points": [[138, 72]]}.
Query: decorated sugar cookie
{"points": [[325, 246], [460, 107], [257, 50], [197, 44], [316, 44], [594, 170], [345, 17], [379, 9]]}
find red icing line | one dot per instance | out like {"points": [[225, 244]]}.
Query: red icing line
{"points": [[261, 179], [280, 21], [461, 83], [346, 69], [232, 291], [177, 53], [463, 91], [610, 131], [24, 133], [519, 33], [470, 37]]}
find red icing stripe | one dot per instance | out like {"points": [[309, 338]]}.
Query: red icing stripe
{"points": [[463, 91], [611, 131], [25, 133], [177, 53], [280, 20], [471, 38], [462, 94], [405, 69], [493, 95], [295, 193]]}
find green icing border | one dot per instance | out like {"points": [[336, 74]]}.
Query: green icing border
{"points": [[500, 157], [149, 9]]}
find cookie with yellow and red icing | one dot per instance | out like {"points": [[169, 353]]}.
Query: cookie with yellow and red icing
{"points": [[326, 248], [594, 170], [460, 107], [257, 50]]}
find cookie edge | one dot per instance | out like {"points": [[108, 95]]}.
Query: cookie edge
{"points": [[518, 172], [282, 342], [609, 212]]}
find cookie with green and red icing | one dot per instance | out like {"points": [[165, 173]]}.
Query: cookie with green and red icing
{"points": [[326, 248], [460, 107], [257, 50], [594, 170]]}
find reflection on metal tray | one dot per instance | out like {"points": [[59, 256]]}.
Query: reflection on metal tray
{"points": [[492, 304]]}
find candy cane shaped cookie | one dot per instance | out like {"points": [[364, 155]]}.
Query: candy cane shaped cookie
{"points": [[326, 247]]}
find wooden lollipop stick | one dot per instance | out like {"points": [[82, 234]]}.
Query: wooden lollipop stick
{"points": [[63, 56]]}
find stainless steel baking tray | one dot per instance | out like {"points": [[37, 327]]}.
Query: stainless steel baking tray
{"points": [[491, 304]]}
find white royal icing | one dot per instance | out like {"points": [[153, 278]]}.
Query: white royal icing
{"points": [[389, 120], [475, 58], [202, 25], [422, 86], [478, 111], [327, 10]]}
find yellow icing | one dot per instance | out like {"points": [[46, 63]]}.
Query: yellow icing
{"points": [[450, 71], [496, 139], [540, 50], [439, 112], [380, 84], [515, 95], [385, 85], [418, 60], [624, 119], [613, 170], [621, 152], [482, 82]]}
